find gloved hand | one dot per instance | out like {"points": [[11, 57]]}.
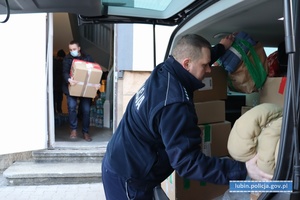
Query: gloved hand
{"points": [[97, 86], [72, 81]]}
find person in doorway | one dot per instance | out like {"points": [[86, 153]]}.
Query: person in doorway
{"points": [[85, 103], [159, 133], [57, 80]]}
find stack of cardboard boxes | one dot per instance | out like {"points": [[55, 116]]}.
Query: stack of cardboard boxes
{"points": [[210, 109]]}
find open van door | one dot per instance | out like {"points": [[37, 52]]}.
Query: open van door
{"points": [[288, 166], [23, 83]]}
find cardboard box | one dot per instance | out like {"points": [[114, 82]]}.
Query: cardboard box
{"points": [[210, 111], [177, 188], [252, 99], [89, 75], [245, 109], [215, 86], [214, 138], [273, 91]]}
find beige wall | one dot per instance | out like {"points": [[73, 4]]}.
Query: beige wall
{"points": [[62, 33], [127, 87]]}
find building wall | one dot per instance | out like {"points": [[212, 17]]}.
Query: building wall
{"points": [[62, 33], [127, 87], [134, 60], [8, 159]]}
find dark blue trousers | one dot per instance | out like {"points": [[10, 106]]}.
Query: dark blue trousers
{"points": [[120, 188], [83, 107]]}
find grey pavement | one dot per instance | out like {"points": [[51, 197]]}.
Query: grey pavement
{"points": [[90, 191]]}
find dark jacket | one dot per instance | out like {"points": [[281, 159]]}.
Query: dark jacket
{"points": [[57, 74], [67, 63], [159, 133]]}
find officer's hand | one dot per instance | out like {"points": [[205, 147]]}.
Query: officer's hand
{"points": [[227, 41], [254, 172]]}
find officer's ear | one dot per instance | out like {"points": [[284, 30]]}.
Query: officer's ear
{"points": [[185, 63]]}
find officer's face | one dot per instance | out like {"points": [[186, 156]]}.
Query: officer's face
{"points": [[199, 67]]}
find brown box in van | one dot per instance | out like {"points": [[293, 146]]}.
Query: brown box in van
{"points": [[89, 75], [178, 188], [214, 138], [273, 91], [215, 86], [210, 111]]}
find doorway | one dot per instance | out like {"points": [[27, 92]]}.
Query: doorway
{"points": [[97, 131], [63, 32]]}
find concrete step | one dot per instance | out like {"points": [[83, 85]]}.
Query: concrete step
{"points": [[69, 155], [44, 173]]}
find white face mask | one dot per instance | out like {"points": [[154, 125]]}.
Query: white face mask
{"points": [[74, 53]]}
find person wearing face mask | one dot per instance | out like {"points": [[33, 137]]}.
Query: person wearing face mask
{"points": [[84, 103]]}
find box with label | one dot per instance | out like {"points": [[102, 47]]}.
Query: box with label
{"points": [[273, 91], [214, 138], [210, 111], [215, 86], [178, 188], [88, 75]]}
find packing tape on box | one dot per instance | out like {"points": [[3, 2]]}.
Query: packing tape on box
{"points": [[86, 83], [171, 179], [187, 183], [202, 183], [87, 78], [206, 141]]}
